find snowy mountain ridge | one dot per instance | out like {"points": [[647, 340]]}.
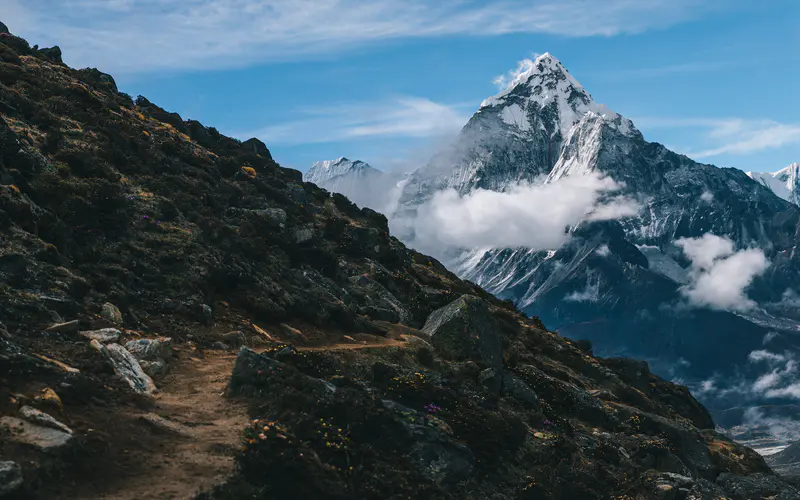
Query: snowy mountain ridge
{"points": [[324, 171], [785, 183], [544, 83]]}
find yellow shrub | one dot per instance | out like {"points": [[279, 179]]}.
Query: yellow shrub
{"points": [[250, 172]]}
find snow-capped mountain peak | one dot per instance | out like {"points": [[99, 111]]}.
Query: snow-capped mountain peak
{"points": [[323, 171], [545, 83], [785, 183]]}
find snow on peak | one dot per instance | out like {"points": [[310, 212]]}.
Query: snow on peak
{"points": [[542, 82], [325, 170], [785, 183]]}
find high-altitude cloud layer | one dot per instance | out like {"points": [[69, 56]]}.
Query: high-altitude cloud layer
{"points": [[142, 35], [719, 275], [533, 216]]}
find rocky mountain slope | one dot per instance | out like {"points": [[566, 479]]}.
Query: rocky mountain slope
{"points": [[785, 183], [123, 224]]}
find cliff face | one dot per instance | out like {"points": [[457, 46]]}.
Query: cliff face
{"points": [[193, 235]]}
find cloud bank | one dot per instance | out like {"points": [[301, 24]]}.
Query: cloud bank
{"points": [[718, 274], [532, 216]]}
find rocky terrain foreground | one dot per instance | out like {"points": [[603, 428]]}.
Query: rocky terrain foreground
{"points": [[181, 316]]}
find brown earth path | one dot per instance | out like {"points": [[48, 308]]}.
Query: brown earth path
{"points": [[187, 443], [196, 438]]}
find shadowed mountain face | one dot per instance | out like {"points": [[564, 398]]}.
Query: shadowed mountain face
{"points": [[115, 212]]}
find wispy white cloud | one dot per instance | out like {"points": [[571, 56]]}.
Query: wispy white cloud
{"points": [[735, 136], [396, 117], [144, 35], [508, 79], [719, 275]]}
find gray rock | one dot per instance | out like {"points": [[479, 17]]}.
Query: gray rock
{"points": [[704, 489], [303, 235], [757, 486], [111, 313], [38, 436], [438, 456], [153, 354], [160, 423], [671, 486], [70, 327], [104, 335], [465, 329], [247, 367], [254, 145], [492, 379], [10, 472], [127, 367], [35, 416], [234, 338], [208, 314], [519, 390], [275, 216], [52, 53]]}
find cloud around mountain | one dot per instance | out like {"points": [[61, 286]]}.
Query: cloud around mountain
{"points": [[719, 275], [527, 215]]}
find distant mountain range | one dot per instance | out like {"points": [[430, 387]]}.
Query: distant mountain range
{"points": [[784, 183], [628, 284]]}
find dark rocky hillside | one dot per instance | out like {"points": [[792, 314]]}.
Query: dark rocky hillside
{"points": [[367, 369]]}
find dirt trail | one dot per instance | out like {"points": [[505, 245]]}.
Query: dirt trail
{"points": [[360, 345], [188, 441], [198, 433]]}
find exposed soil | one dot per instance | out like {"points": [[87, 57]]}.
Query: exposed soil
{"points": [[191, 449]]}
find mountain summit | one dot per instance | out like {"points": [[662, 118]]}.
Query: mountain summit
{"points": [[547, 88]]}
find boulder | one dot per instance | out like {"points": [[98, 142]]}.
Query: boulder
{"points": [[519, 390], [70, 327], [465, 329], [153, 354], [302, 235], [247, 367], [756, 486], [111, 313], [438, 456], [492, 379], [52, 53], [274, 216], [235, 338], [127, 367], [38, 436], [208, 314], [10, 472], [257, 147], [103, 335], [35, 416], [48, 398]]}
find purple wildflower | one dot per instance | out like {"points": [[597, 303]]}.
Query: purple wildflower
{"points": [[432, 408]]}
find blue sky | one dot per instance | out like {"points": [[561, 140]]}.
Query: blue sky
{"points": [[389, 82]]}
